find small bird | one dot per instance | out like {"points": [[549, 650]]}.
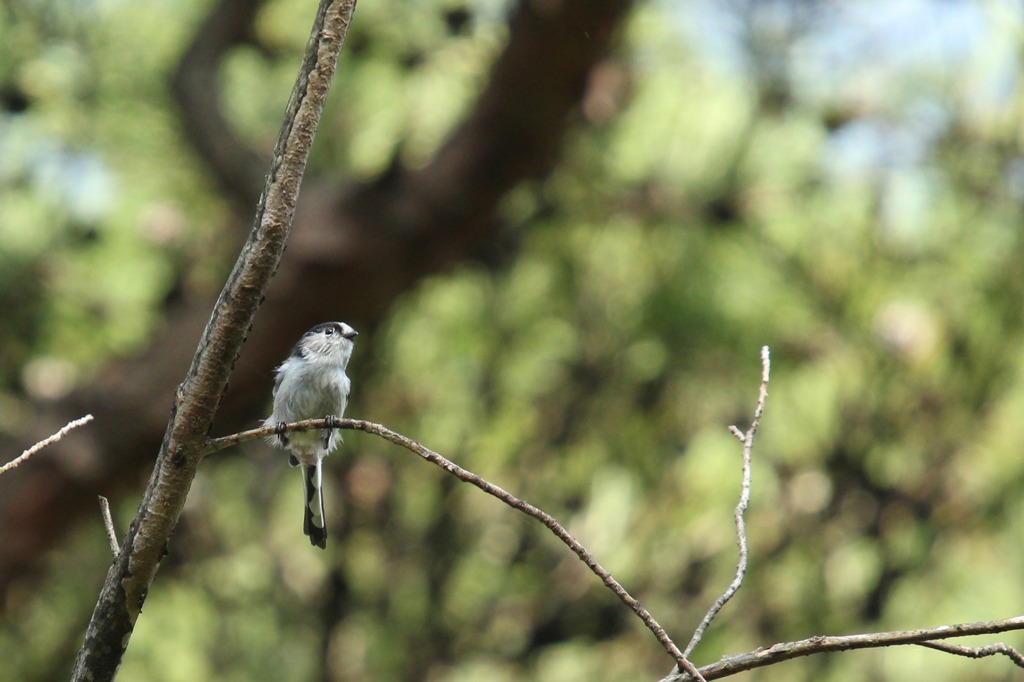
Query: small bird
{"points": [[312, 384]]}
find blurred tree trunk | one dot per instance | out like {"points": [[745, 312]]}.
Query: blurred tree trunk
{"points": [[354, 250]]}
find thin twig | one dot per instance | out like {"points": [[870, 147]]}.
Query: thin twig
{"points": [[741, 507], [784, 651], [216, 444], [74, 424], [108, 522], [978, 652]]}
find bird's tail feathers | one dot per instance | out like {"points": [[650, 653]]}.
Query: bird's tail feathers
{"points": [[313, 523]]}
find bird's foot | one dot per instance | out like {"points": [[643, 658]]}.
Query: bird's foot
{"points": [[282, 433]]}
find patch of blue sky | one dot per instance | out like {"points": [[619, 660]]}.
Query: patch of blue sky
{"points": [[896, 69]]}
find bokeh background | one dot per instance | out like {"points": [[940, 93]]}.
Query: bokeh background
{"points": [[564, 228]]}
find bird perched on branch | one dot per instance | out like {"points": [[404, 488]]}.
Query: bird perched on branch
{"points": [[312, 384]]}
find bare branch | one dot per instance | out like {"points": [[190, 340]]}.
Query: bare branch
{"points": [[129, 579], [978, 652], [108, 523], [216, 444], [74, 424], [759, 658], [730, 665], [379, 237], [741, 507]]}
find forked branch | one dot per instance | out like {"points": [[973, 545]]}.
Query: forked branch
{"points": [[747, 439]]}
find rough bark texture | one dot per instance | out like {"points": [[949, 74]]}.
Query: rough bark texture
{"points": [[352, 252], [197, 398]]}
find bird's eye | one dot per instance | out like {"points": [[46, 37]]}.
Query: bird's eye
{"points": [[329, 331]]}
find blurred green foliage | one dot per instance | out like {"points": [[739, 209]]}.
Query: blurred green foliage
{"points": [[867, 229]]}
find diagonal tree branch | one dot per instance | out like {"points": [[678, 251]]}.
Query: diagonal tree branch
{"points": [[784, 651], [129, 578], [552, 524], [999, 648], [64, 430], [379, 238]]}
